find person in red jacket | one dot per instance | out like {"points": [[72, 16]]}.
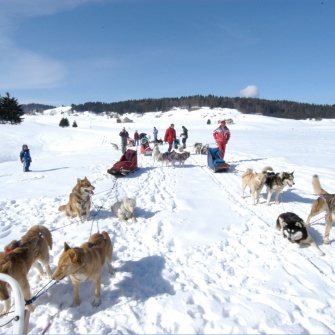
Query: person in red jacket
{"points": [[170, 136], [222, 136], [136, 138]]}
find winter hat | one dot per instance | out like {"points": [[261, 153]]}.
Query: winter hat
{"points": [[172, 125], [25, 146]]}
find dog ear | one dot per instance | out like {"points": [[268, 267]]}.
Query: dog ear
{"points": [[299, 224], [66, 247], [75, 256]]}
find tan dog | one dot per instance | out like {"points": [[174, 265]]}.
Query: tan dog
{"points": [[79, 200], [180, 148], [255, 181], [17, 265], [197, 148], [85, 264], [324, 203], [125, 209], [40, 249]]}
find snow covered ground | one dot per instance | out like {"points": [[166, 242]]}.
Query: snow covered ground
{"points": [[200, 259]]}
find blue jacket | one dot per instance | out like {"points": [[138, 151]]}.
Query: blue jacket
{"points": [[25, 156]]}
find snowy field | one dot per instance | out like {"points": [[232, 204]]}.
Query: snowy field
{"points": [[200, 259]]}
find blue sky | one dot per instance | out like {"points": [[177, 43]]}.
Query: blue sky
{"points": [[73, 51]]}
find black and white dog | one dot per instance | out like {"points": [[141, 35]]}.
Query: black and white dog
{"points": [[293, 228], [275, 182]]}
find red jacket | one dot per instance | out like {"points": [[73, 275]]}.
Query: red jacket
{"points": [[136, 136], [221, 134], [170, 135]]}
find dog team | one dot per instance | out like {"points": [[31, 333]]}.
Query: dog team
{"points": [[80, 264], [290, 225]]}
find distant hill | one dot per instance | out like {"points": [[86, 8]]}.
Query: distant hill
{"points": [[275, 108], [35, 108]]}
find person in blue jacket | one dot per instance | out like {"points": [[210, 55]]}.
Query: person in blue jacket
{"points": [[25, 158]]}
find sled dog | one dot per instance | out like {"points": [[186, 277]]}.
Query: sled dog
{"points": [[324, 203], [293, 228], [115, 146], [180, 148], [17, 265], [255, 181], [79, 200], [40, 249], [166, 157], [203, 150], [197, 148], [181, 158], [125, 209], [275, 182], [85, 264], [155, 153]]}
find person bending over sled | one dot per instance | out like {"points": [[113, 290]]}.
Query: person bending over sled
{"points": [[222, 136], [25, 158]]}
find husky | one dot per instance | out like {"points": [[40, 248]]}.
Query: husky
{"points": [[125, 209], [203, 150], [180, 148], [275, 182], [255, 181], [180, 157], [293, 228], [115, 146], [324, 203], [85, 264], [155, 153], [17, 265], [166, 157], [79, 200], [40, 247], [197, 148]]}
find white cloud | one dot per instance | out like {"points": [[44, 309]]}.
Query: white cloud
{"points": [[251, 91]]}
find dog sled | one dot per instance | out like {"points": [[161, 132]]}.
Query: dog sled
{"points": [[127, 164], [214, 161], [130, 142], [145, 147]]}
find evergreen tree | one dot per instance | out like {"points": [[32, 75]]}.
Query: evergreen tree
{"points": [[10, 110], [64, 122], [209, 121], [74, 124]]}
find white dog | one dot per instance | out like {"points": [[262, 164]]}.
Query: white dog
{"points": [[125, 209], [180, 148], [155, 153]]}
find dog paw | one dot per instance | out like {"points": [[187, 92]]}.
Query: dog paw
{"points": [[96, 302], [326, 241]]}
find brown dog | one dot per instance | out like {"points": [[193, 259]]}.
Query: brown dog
{"points": [[324, 203], [41, 248], [17, 265], [85, 264], [79, 200], [255, 181]]}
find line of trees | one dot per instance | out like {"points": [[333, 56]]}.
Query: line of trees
{"points": [[276, 108], [10, 110]]}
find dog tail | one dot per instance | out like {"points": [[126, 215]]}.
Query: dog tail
{"points": [[61, 208], [267, 168], [247, 172], [45, 232], [317, 186]]}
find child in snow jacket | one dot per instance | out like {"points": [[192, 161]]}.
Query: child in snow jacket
{"points": [[25, 158], [155, 132]]}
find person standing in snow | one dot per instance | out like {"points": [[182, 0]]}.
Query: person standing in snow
{"points": [[184, 136], [136, 138], [25, 158], [155, 132], [222, 136], [170, 136], [124, 135]]}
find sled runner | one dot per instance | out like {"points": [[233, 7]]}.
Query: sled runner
{"points": [[214, 161], [126, 164]]}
